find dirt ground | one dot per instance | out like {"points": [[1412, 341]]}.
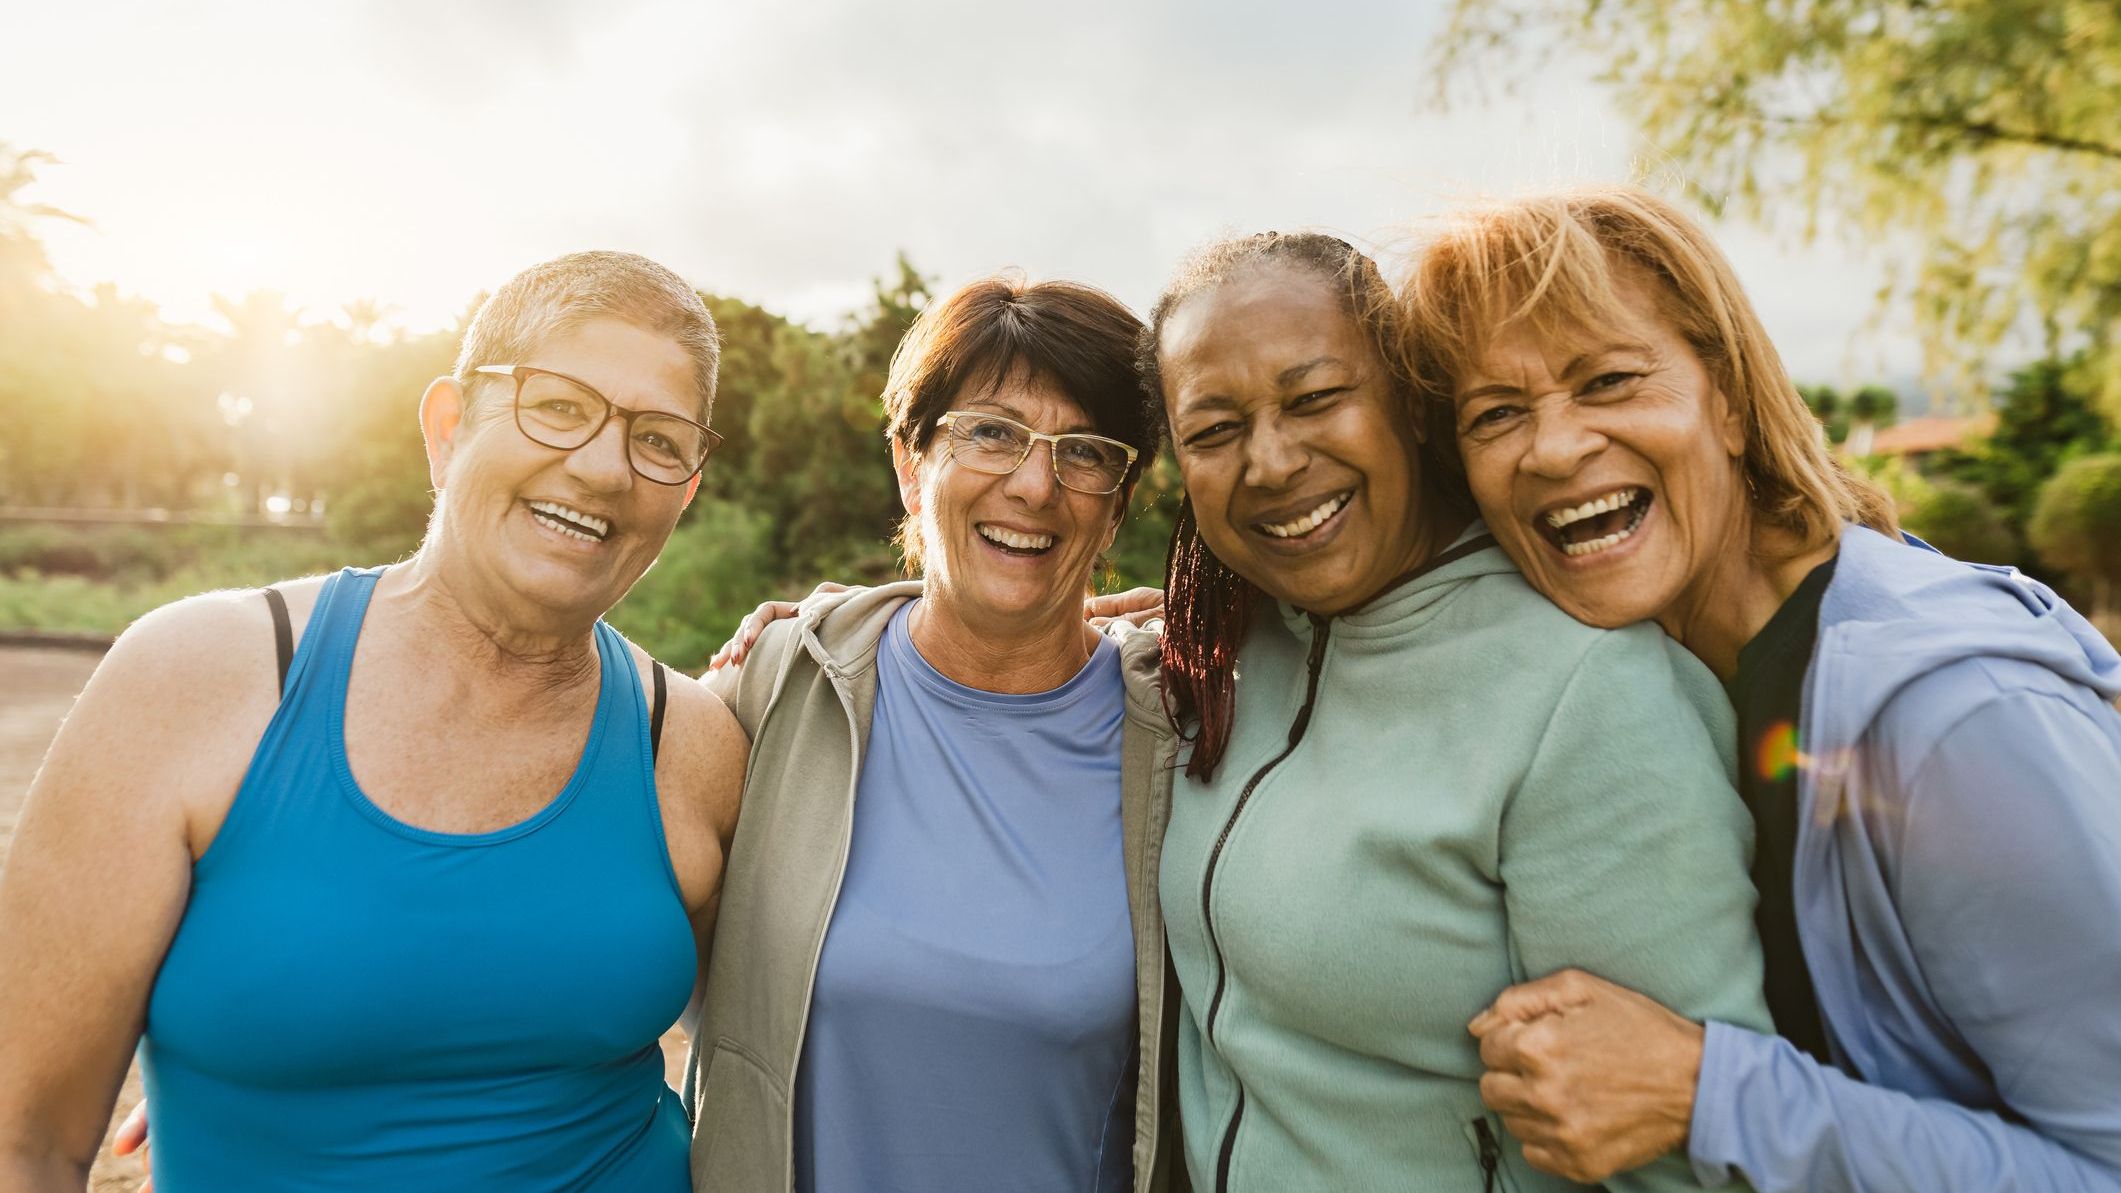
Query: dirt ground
{"points": [[37, 687]]}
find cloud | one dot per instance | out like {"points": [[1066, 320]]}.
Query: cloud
{"points": [[417, 153]]}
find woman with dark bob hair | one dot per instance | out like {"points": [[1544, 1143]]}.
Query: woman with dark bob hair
{"points": [[939, 962], [1412, 780], [1928, 747]]}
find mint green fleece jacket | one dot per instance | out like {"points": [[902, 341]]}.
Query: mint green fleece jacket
{"points": [[1485, 790]]}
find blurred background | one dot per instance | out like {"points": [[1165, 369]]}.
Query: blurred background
{"points": [[237, 239]]}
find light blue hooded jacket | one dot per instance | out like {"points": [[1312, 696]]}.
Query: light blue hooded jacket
{"points": [[1958, 885]]}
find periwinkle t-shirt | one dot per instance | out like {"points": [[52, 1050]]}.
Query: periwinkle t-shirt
{"points": [[972, 1026]]}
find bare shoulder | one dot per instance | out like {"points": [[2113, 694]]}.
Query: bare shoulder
{"points": [[172, 714], [209, 646], [703, 748]]}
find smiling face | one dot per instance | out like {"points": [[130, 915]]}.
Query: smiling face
{"points": [[1013, 551], [1298, 457], [1607, 464], [558, 533]]}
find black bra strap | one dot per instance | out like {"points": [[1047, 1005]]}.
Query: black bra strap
{"points": [[655, 717], [283, 633]]}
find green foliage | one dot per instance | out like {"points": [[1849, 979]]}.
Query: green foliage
{"points": [[2044, 418], [2076, 525], [1874, 405], [1975, 141], [716, 568], [1963, 524]]}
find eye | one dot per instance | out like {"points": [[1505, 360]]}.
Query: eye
{"points": [[1491, 419], [1212, 435], [1605, 382], [987, 431], [1076, 451], [1316, 398]]}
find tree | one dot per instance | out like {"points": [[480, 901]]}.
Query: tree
{"points": [[1974, 139], [2076, 525], [2044, 418], [1963, 524]]}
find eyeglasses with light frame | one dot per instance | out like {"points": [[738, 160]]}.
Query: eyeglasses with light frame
{"points": [[998, 446]]}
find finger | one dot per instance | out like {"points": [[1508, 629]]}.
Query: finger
{"points": [[1553, 1159], [1546, 996], [131, 1133], [1114, 604], [1509, 1095], [1502, 1050]]}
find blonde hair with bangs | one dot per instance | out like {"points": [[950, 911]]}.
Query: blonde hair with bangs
{"points": [[1556, 261]]}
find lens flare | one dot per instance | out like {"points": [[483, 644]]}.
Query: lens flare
{"points": [[1776, 757]]}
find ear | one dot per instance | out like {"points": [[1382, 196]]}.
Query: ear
{"points": [[692, 489], [441, 417], [1119, 515], [1733, 427], [907, 464]]}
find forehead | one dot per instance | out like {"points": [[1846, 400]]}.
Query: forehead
{"points": [[1034, 399], [1556, 332], [629, 365], [1247, 330]]}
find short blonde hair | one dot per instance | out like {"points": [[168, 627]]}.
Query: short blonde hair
{"points": [[552, 298], [1554, 261]]}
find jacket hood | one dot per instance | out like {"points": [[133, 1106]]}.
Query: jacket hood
{"points": [[1897, 611]]}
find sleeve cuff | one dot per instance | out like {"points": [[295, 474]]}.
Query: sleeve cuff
{"points": [[1727, 1054]]}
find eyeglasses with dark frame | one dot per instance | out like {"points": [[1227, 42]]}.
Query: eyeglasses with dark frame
{"points": [[557, 411], [998, 446]]}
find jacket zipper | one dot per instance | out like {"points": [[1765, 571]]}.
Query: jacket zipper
{"points": [[1490, 1154], [1319, 632]]}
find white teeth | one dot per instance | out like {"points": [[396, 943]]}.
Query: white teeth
{"points": [[568, 520], [1591, 509], [1309, 522], [1010, 538], [1595, 545]]}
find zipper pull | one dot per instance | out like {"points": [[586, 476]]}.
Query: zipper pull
{"points": [[1490, 1154]]}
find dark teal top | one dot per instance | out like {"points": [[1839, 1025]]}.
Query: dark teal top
{"points": [[353, 1003]]}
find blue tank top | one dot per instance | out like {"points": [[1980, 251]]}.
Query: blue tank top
{"points": [[973, 1023], [354, 1003]]}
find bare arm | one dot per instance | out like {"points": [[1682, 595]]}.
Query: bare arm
{"points": [[138, 776]]}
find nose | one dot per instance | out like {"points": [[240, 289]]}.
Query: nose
{"points": [[601, 464], [1561, 440], [1273, 457], [1033, 482]]}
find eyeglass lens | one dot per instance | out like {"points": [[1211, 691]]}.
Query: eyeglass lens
{"points": [[560, 414], [1084, 463]]}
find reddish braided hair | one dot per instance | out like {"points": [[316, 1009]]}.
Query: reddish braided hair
{"points": [[1207, 609]]}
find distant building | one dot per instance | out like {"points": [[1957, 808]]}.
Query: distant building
{"points": [[1916, 439]]}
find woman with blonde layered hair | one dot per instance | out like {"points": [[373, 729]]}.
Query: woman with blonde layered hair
{"points": [[1928, 748]]}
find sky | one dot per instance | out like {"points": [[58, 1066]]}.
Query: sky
{"points": [[418, 152]]}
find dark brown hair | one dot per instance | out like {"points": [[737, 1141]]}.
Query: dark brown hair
{"points": [[1078, 337], [1208, 607]]}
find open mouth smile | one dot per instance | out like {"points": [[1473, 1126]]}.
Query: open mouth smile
{"points": [[570, 521], [1015, 542], [1600, 524], [1310, 521]]}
